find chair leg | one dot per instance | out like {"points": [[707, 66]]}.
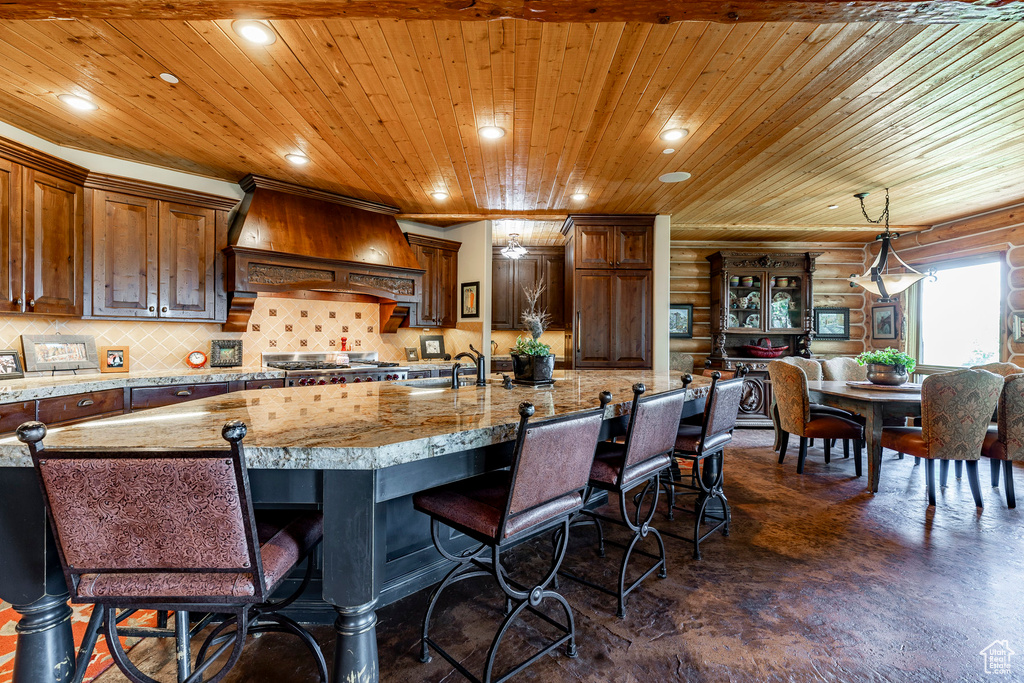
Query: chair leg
{"points": [[994, 464], [803, 455], [828, 450], [943, 472], [959, 469], [1011, 501], [975, 481], [183, 645], [929, 475], [899, 455], [784, 443], [917, 461], [858, 458], [846, 448]]}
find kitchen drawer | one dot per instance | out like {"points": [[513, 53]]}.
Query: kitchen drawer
{"points": [[154, 397], [80, 406], [13, 414], [501, 366], [420, 374], [464, 370], [264, 384]]}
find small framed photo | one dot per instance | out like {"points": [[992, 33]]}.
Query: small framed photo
{"points": [[832, 324], [1017, 323], [471, 299], [225, 353], [412, 353], [10, 364], [680, 321], [114, 359], [431, 346], [883, 322], [59, 352]]}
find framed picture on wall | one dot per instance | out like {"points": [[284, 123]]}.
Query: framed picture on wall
{"points": [[10, 365], [883, 322], [114, 359], [59, 352], [832, 324], [471, 299], [1017, 326], [680, 321]]}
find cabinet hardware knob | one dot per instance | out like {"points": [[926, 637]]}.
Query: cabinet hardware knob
{"points": [[183, 392], [17, 302], [265, 386], [152, 308], [579, 332], [31, 302], [163, 309], [85, 402]]}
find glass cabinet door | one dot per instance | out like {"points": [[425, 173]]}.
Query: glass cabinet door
{"points": [[785, 310], [746, 299]]}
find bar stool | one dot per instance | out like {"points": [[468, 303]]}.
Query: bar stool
{"points": [[621, 467], [701, 448], [499, 510], [172, 531]]}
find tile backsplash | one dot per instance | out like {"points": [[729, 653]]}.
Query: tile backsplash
{"points": [[278, 325]]}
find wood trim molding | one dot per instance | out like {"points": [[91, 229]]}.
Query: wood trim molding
{"points": [[142, 188], [574, 219], [436, 242], [40, 161], [251, 182], [648, 11], [447, 220]]}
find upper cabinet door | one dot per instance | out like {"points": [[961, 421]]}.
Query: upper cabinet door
{"points": [[633, 246], [53, 235], [595, 246], [124, 255], [187, 268], [502, 293], [553, 275], [447, 291], [11, 296]]}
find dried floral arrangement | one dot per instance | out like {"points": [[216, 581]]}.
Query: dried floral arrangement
{"points": [[535, 320]]}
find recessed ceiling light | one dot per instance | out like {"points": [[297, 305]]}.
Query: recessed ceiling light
{"points": [[76, 102], [492, 132], [833, 206], [297, 159], [674, 134], [579, 196], [667, 151], [169, 77], [254, 31], [439, 195], [677, 177]]}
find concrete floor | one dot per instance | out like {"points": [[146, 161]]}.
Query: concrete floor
{"points": [[819, 581]]}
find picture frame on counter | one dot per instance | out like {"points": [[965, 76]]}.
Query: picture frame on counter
{"points": [[432, 346], [832, 323], [412, 353], [680, 321], [471, 299], [225, 353], [52, 352], [883, 322], [114, 358], [10, 364]]}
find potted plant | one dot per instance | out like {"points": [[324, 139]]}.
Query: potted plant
{"points": [[532, 360], [890, 366]]}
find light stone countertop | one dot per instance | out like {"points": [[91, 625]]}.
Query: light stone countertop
{"points": [[370, 426], [30, 388]]}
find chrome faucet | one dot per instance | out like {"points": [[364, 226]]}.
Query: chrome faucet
{"points": [[478, 358]]}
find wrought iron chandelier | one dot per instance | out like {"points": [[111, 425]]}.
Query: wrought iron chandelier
{"points": [[513, 249], [878, 279]]}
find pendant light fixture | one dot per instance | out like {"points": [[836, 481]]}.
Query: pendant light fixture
{"points": [[877, 279], [513, 249]]}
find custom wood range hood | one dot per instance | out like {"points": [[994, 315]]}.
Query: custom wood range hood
{"points": [[289, 239]]}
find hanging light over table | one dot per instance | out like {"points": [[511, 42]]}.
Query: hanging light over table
{"points": [[877, 279], [513, 249]]}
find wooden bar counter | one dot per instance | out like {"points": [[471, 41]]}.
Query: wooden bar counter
{"points": [[359, 452]]}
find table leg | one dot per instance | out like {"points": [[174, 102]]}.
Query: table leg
{"points": [[873, 434], [45, 649], [355, 656]]}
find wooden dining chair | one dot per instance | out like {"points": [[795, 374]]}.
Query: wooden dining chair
{"points": [[1004, 443], [815, 372], [955, 411], [789, 383]]}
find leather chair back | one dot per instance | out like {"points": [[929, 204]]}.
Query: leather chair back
{"points": [[1011, 417], [172, 512], [955, 411], [722, 409], [552, 458], [789, 386], [653, 425], [843, 370]]}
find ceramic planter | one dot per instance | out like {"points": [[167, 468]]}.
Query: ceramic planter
{"points": [[533, 369], [889, 375]]}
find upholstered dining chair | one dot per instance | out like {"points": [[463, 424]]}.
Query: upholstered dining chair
{"points": [[955, 410], [843, 369], [1004, 444], [1001, 369], [172, 530], [814, 370], [789, 383]]}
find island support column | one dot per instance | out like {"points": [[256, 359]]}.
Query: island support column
{"points": [[31, 580], [353, 547]]}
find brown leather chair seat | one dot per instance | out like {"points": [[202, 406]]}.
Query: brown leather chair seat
{"points": [[688, 439], [832, 427], [905, 440], [608, 463], [992, 447]]}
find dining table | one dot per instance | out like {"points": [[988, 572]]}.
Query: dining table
{"points": [[875, 405]]}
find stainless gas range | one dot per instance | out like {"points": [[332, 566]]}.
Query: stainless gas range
{"points": [[316, 369]]}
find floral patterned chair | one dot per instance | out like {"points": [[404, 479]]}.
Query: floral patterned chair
{"points": [[1004, 443], [955, 410], [1001, 369], [814, 370], [789, 384], [843, 369]]}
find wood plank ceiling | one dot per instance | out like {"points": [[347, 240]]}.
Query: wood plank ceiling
{"points": [[784, 119]]}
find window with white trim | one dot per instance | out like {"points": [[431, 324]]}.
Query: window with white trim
{"points": [[960, 313]]}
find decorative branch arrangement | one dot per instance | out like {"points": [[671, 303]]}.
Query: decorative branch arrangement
{"points": [[536, 320]]}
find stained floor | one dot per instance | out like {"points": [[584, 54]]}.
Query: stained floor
{"points": [[819, 581]]}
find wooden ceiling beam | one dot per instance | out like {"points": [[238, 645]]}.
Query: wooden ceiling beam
{"points": [[647, 11]]}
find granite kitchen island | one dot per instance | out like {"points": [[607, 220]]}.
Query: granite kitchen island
{"points": [[357, 452]]}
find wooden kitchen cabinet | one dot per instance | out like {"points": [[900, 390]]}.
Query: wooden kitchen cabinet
{"points": [[80, 407], [10, 236], [510, 276], [155, 397], [613, 241], [52, 225], [187, 251], [439, 301], [125, 248]]}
